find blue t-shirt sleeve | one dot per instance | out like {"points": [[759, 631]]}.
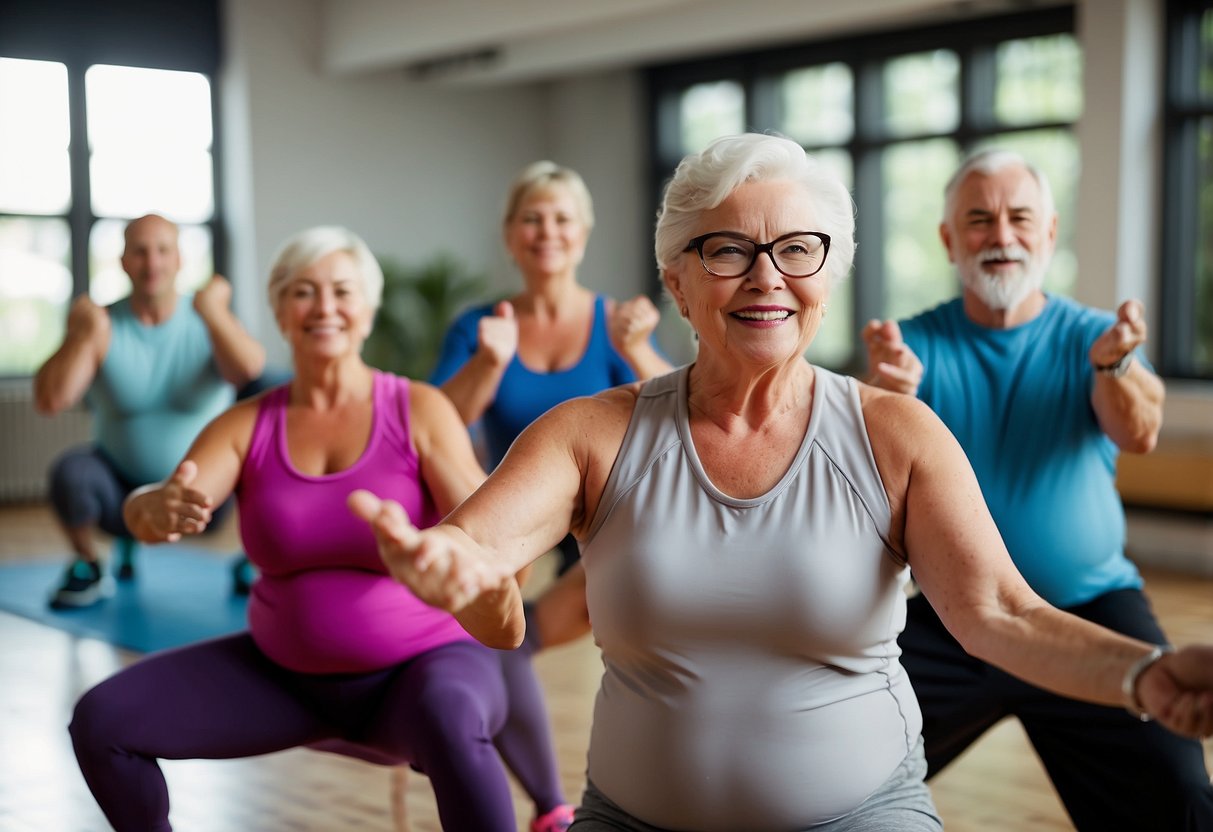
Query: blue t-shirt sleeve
{"points": [[458, 345]]}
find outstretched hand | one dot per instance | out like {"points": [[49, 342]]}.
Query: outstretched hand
{"points": [[1177, 691], [442, 566], [174, 508], [892, 365]]}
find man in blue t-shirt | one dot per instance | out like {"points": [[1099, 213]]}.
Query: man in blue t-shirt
{"points": [[1042, 393], [153, 369]]}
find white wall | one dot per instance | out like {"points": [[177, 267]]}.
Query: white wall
{"points": [[415, 170]]}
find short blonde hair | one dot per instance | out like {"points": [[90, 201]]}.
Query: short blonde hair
{"points": [[542, 175], [312, 244]]}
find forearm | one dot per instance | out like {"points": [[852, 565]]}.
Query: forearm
{"points": [[65, 377], [1057, 651], [474, 387], [1129, 408], [496, 619], [646, 362], [239, 356]]}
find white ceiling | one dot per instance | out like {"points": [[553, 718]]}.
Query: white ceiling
{"points": [[499, 41]]}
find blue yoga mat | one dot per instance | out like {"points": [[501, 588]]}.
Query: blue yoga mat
{"points": [[178, 596]]}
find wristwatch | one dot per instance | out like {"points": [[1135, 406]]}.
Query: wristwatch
{"points": [[1116, 369]]}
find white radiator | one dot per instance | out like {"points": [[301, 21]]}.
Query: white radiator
{"points": [[29, 442]]}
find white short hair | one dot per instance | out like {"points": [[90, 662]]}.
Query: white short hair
{"points": [[312, 244], [702, 181], [989, 162]]}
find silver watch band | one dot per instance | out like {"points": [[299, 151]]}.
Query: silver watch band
{"points": [[1118, 369]]}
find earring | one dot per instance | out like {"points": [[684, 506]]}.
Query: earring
{"points": [[686, 313], [823, 310]]}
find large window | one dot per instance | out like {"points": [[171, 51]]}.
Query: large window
{"points": [[1187, 337], [106, 114], [894, 114]]}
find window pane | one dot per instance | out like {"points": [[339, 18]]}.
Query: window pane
{"points": [[922, 93], [1202, 308], [1206, 54], [710, 111], [1039, 79], [150, 137], [35, 289], [1055, 152], [35, 174], [917, 273], [108, 282], [816, 104]]}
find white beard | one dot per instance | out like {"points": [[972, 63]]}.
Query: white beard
{"points": [[1007, 289]]}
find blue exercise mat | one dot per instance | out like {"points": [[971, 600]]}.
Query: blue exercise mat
{"points": [[178, 596]]}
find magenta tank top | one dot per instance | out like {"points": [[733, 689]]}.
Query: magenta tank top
{"points": [[323, 602]]}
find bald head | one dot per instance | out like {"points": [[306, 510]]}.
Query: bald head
{"points": [[151, 257]]}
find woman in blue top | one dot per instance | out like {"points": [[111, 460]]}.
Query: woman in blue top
{"points": [[507, 364]]}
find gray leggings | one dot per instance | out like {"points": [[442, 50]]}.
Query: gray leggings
{"points": [[902, 804]]}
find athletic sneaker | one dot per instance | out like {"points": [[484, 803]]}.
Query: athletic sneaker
{"points": [[557, 820], [83, 585], [124, 556]]}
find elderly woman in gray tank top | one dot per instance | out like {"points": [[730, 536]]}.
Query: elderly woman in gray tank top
{"points": [[747, 525]]}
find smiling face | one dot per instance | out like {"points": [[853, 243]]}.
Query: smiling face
{"points": [[999, 237], [323, 311], [546, 235], [762, 317]]}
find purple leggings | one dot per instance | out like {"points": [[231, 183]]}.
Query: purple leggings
{"points": [[224, 698]]}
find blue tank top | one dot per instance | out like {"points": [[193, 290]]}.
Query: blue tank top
{"points": [[524, 395], [157, 387], [751, 676], [1019, 402]]}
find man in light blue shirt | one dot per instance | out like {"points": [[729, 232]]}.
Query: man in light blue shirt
{"points": [[1042, 393], [153, 369]]}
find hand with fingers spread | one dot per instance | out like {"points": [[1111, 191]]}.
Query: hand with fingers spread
{"points": [[1122, 337], [165, 511], [891, 363], [440, 565], [498, 334]]}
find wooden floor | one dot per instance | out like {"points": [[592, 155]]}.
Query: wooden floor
{"points": [[997, 787]]}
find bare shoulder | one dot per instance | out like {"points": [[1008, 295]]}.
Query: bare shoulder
{"points": [[427, 401], [903, 432]]}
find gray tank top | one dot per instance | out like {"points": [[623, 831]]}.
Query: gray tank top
{"points": [[750, 646]]}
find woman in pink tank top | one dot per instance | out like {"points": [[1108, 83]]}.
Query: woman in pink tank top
{"points": [[338, 654]]}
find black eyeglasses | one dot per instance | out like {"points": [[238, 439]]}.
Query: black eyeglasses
{"points": [[724, 254]]}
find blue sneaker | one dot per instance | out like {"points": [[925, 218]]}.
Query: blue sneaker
{"points": [[83, 585]]}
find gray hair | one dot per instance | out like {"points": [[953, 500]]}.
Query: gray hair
{"points": [[704, 180], [987, 162], [539, 176], [312, 244]]}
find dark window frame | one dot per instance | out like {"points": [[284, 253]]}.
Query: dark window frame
{"points": [[183, 35], [974, 41], [1183, 111]]}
